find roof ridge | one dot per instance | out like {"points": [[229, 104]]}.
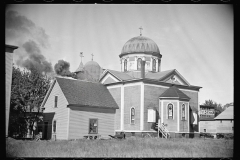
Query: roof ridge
{"points": [[175, 90], [78, 80]]}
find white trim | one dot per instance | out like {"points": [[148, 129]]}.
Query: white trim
{"points": [[198, 113], [187, 90], [161, 111], [116, 86], [188, 117], [122, 108], [109, 76], [154, 85], [131, 115], [68, 122], [133, 84], [182, 77], [170, 100], [134, 131], [178, 117], [142, 107]]}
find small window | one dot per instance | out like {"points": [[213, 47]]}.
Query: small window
{"points": [[139, 63], [93, 126], [125, 65], [204, 130], [132, 115], [170, 111], [55, 102], [54, 126], [151, 115], [221, 121], [154, 65], [183, 112]]}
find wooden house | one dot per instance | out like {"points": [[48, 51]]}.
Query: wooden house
{"points": [[75, 108]]}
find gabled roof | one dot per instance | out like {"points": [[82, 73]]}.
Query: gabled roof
{"points": [[226, 114], [174, 92], [130, 75], [85, 93]]}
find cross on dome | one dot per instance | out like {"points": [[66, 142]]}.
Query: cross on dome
{"points": [[81, 55], [92, 56], [141, 30]]}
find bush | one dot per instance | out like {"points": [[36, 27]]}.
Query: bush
{"points": [[206, 135]]}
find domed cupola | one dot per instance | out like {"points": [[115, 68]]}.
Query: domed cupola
{"points": [[92, 71], [137, 49], [140, 44]]}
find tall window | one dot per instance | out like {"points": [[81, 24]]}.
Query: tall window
{"points": [[125, 65], [132, 115], [170, 111], [93, 126], [139, 63], [54, 126], [154, 65], [183, 112], [55, 101]]}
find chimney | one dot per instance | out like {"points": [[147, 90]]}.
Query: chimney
{"points": [[143, 69]]}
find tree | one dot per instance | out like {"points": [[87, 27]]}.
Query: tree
{"points": [[217, 107], [27, 93]]}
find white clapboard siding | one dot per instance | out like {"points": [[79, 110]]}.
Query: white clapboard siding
{"points": [[79, 121], [8, 82], [61, 112]]}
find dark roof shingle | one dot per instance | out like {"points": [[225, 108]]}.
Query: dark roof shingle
{"points": [[174, 92], [86, 93]]}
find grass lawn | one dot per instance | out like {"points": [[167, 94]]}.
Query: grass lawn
{"points": [[130, 147]]}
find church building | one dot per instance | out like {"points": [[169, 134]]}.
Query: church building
{"points": [[141, 94], [147, 95]]}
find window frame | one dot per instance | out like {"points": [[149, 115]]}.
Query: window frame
{"points": [[125, 65], [54, 126], [139, 68], [132, 117], [154, 65], [168, 111], [183, 118], [89, 131], [55, 101]]}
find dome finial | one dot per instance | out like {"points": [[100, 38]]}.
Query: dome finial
{"points": [[141, 30], [81, 55], [92, 56]]}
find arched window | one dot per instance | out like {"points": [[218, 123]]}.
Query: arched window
{"points": [[132, 115], [154, 65], [170, 111], [139, 63], [125, 65], [183, 111]]}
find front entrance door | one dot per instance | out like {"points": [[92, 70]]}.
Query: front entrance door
{"points": [[45, 130]]}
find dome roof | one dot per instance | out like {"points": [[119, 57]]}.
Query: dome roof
{"points": [[92, 71], [140, 44], [91, 63]]}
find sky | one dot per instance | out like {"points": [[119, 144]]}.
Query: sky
{"points": [[196, 40]]}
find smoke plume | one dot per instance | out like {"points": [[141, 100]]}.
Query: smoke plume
{"points": [[35, 60], [30, 39], [62, 68]]}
